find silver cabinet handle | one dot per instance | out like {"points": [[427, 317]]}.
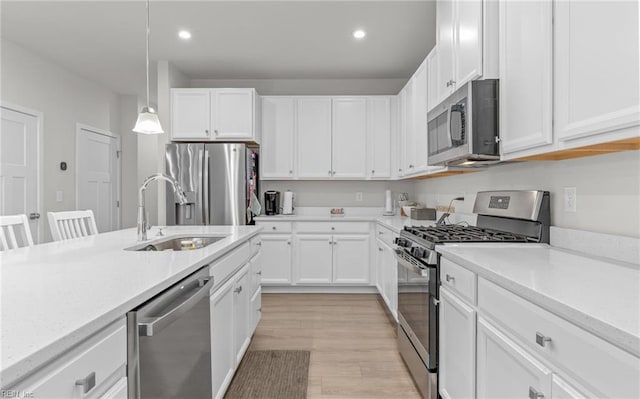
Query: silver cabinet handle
{"points": [[380, 233], [34, 215], [259, 244], [534, 394], [206, 131], [542, 339], [259, 273], [333, 173], [291, 172], [399, 169], [329, 173], [87, 383], [410, 166], [380, 249], [450, 278], [273, 228], [216, 132], [288, 242], [333, 228], [238, 290], [373, 172], [448, 83]]}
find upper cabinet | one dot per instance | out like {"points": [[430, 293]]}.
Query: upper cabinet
{"points": [[596, 67], [566, 83], [327, 137], [215, 115], [467, 43], [313, 134]]}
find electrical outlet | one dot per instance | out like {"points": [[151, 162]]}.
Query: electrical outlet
{"points": [[570, 199], [359, 196]]}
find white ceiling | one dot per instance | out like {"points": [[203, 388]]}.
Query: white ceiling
{"points": [[104, 40]]}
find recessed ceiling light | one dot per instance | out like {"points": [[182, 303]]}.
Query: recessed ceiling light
{"points": [[184, 35], [359, 34]]}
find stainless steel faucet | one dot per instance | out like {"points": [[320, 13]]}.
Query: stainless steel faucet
{"points": [[143, 226]]}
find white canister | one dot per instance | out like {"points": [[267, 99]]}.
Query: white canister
{"points": [[287, 205]]}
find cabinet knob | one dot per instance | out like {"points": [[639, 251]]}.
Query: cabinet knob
{"points": [[450, 278], [259, 273], [448, 83], [216, 132], [329, 173], [290, 172], [333, 228], [380, 233], [541, 339], [87, 383], [399, 169], [238, 290], [273, 228], [534, 394], [288, 242], [333, 173], [259, 244], [373, 172], [206, 132], [379, 249]]}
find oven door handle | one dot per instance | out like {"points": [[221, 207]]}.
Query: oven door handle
{"points": [[411, 267]]}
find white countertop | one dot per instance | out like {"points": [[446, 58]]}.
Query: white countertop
{"points": [[55, 294], [600, 295]]}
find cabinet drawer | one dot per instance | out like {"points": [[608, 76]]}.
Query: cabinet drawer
{"points": [[102, 356], [275, 227], [222, 269], [255, 243], [610, 371], [256, 274], [332, 227], [458, 279], [256, 309], [386, 235]]}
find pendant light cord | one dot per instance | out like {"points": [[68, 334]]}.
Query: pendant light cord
{"points": [[147, 53]]}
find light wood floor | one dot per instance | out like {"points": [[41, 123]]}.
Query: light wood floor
{"points": [[352, 344]]}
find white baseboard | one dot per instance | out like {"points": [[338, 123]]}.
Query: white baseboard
{"points": [[297, 289]]}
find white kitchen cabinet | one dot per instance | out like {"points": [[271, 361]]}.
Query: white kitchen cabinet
{"points": [[379, 274], [379, 137], [432, 79], [562, 389], [420, 137], [445, 31], [276, 259], [506, 370], [596, 68], [256, 309], [468, 40], [526, 80], [402, 133], [241, 313], [215, 115], [278, 133], [314, 258], [313, 133], [408, 128], [190, 117], [232, 114], [457, 371], [386, 275], [223, 356], [351, 259], [349, 137]]}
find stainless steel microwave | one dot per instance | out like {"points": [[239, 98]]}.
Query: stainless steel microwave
{"points": [[463, 130]]}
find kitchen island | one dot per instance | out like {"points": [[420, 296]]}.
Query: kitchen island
{"points": [[57, 294]]}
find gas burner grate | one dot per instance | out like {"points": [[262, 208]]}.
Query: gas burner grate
{"points": [[455, 233]]}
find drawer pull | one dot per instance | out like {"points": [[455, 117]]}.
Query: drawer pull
{"points": [[273, 228], [259, 273], [534, 394], [542, 340], [450, 279], [380, 232], [238, 290], [380, 249], [259, 244], [87, 383]]}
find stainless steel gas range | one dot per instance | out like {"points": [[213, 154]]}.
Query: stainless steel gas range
{"points": [[503, 216]]}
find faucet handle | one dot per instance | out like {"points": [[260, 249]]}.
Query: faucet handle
{"points": [[160, 232]]}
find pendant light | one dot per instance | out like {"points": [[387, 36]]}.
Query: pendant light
{"points": [[148, 122]]}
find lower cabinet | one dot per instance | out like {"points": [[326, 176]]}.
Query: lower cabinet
{"points": [[387, 277], [351, 259], [223, 359], [242, 314], [314, 258], [276, 259], [506, 370], [457, 376]]}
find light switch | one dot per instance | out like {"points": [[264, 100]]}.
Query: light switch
{"points": [[59, 196]]}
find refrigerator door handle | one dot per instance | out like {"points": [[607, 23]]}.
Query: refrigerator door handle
{"points": [[205, 189]]}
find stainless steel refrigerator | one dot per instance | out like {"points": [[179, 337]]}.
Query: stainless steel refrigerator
{"points": [[219, 180]]}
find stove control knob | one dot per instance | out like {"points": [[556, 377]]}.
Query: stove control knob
{"points": [[401, 242], [418, 252]]}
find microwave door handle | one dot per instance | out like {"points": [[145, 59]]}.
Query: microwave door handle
{"points": [[457, 108]]}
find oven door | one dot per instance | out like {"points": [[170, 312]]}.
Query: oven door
{"points": [[417, 306]]}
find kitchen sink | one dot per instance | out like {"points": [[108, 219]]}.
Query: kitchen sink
{"points": [[179, 243]]}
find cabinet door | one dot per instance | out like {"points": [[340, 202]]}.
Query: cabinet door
{"points": [[232, 114], [432, 79], [241, 313], [276, 259], [349, 137], [223, 361], [562, 389], [313, 137], [351, 259], [256, 309], [444, 40], [504, 369], [420, 136], [313, 258], [467, 41], [190, 114], [457, 347], [278, 125], [379, 275], [402, 126], [526, 65], [596, 67], [409, 128], [379, 137]]}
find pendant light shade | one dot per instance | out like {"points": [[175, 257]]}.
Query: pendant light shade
{"points": [[148, 121]]}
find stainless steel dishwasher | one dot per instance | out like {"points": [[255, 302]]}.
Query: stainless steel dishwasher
{"points": [[169, 342]]}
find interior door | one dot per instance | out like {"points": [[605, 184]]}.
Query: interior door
{"points": [[98, 177], [19, 166]]}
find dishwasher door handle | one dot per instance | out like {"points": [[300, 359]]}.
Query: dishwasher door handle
{"points": [[153, 325]]}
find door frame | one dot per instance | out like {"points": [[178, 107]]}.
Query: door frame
{"points": [[39, 160], [80, 127]]}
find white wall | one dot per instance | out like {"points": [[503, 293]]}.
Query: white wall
{"points": [[129, 145], [292, 87], [65, 99], [608, 190], [338, 193]]}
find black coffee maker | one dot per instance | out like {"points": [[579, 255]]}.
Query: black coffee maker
{"points": [[271, 202]]}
